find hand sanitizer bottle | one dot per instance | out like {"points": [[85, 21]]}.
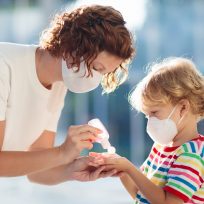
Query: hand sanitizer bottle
{"points": [[104, 136]]}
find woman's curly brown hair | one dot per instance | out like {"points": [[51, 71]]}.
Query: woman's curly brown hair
{"points": [[85, 32]]}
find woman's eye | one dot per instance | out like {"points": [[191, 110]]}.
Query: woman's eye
{"points": [[98, 70]]}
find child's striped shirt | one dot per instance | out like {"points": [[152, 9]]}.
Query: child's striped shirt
{"points": [[178, 170]]}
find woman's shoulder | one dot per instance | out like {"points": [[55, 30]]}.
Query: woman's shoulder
{"points": [[16, 55], [4, 46], [11, 50]]}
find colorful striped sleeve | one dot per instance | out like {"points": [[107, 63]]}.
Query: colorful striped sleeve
{"points": [[143, 167], [185, 176]]}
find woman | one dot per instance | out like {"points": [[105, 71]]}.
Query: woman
{"points": [[79, 50]]}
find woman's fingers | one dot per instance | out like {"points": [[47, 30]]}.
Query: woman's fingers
{"points": [[77, 129], [119, 174], [86, 145], [86, 137], [93, 164], [97, 172], [108, 173], [79, 137]]}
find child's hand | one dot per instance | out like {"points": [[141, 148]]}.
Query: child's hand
{"points": [[99, 158], [110, 161]]}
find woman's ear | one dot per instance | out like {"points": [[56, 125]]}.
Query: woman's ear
{"points": [[185, 106]]}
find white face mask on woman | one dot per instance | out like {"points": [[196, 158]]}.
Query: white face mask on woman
{"points": [[162, 131], [78, 82]]}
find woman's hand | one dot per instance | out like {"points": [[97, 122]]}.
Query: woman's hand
{"points": [[78, 138], [80, 170]]}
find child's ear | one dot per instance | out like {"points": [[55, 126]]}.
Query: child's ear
{"points": [[185, 106]]}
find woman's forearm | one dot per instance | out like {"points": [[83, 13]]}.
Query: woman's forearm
{"points": [[14, 163], [52, 176]]}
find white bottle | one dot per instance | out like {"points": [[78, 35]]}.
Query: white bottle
{"points": [[104, 136]]}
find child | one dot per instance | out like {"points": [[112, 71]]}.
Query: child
{"points": [[172, 98]]}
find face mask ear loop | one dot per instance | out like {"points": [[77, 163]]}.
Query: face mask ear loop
{"points": [[172, 112], [180, 119]]}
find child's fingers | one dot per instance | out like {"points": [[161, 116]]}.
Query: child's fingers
{"points": [[103, 155], [95, 154], [109, 167], [109, 161], [99, 161], [96, 163]]}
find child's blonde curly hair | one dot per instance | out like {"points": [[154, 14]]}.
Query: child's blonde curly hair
{"points": [[170, 81]]}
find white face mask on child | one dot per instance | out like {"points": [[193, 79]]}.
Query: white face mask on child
{"points": [[162, 131], [77, 82]]}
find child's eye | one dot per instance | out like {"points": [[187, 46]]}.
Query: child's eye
{"points": [[153, 112]]}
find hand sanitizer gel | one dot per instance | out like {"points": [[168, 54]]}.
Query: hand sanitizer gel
{"points": [[104, 136]]}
